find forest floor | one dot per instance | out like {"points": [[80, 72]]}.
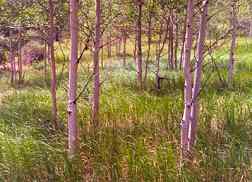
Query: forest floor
{"points": [[139, 135]]}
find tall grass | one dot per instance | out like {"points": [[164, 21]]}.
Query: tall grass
{"points": [[140, 130]]}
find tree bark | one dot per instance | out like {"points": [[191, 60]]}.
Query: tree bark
{"points": [[120, 46], [158, 53], [176, 44], [12, 59], [159, 49], [171, 42], [73, 67], [188, 80], [183, 44], [124, 49], [45, 60], [233, 22], [102, 54], [109, 45], [20, 65], [51, 58], [110, 31], [148, 49], [198, 73], [117, 51], [139, 44], [135, 51], [96, 88]]}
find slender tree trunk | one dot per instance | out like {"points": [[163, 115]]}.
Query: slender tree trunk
{"points": [[188, 81], [135, 51], [176, 45], [148, 51], [171, 42], [198, 73], [12, 59], [96, 89], [233, 22], [250, 28], [51, 58], [183, 44], [117, 48], [20, 65], [124, 49], [45, 60], [14, 66], [139, 45], [159, 49], [110, 31], [102, 55], [120, 46], [109, 45], [158, 53], [73, 67]]}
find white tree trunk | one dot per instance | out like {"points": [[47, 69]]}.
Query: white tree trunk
{"points": [[198, 73], [72, 105], [188, 80], [233, 22], [96, 89]]}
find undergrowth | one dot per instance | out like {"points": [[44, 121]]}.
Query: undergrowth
{"points": [[139, 136]]}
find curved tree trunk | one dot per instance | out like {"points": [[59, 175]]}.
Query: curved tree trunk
{"points": [[73, 67]]}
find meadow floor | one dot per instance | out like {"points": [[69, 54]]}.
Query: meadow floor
{"points": [[140, 130]]}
